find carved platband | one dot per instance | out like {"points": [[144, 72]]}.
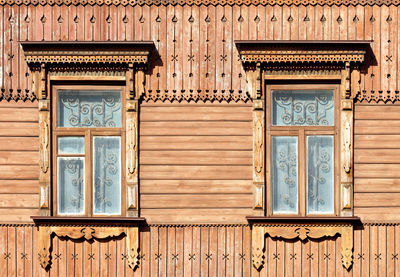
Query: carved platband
{"points": [[301, 232], [62, 58]]}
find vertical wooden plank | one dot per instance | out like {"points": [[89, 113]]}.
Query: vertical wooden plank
{"points": [[382, 250], [79, 254], [309, 21], [230, 251], [294, 26], [36, 269], [390, 251], [154, 36], [302, 17], [4, 251], [165, 259], [154, 255], [271, 256], [278, 12], [88, 25], [393, 49], [297, 257], [322, 260], [345, 22], [239, 257], [7, 49], [162, 47], [203, 47], [279, 256], [287, 20], [236, 25], [386, 21], [61, 257], [396, 242], [197, 59], [204, 250], [212, 12], [269, 26], [145, 252], [179, 45], [170, 46], [288, 258], [319, 22], [2, 44], [219, 47], [327, 26], [147, 23], [121, 26], [70, 258], [261, 26], [172, 256], [368, 36], [72, 26], [12, 249], [14, 57], [373, 258], [29, 260], [338, 249], [314, 257], [253, 25], [180, 249], [246, 246], [186, 48], [213, 251], [357, 250], [112, 252], [196, 245], [227, 69], [80, 23], [87, 259], [20, 250], [130, 23], [305, 261], [331, 259], [376, 46], [336, 21], [188, 251]]}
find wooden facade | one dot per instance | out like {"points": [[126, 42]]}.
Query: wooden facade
{"points": [[195, 138]]}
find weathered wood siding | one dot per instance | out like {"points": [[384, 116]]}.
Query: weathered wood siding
{"points": [[377, 162], [19, 170], [196, 162], [196, 43], [215, 250]]}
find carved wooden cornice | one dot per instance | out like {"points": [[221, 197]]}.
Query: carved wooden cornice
{"points": [[202, 2], [87, 52], [88, 229], [292, 228], [269, 52]]}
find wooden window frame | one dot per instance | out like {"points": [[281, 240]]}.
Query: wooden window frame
{"points": [[301, 133], [88, 134]]}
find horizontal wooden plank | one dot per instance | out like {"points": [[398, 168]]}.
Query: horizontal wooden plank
{"points": [[194, 113], [196, 157], [195, 186], [19, 144], [376, 141], [19, 200], [19, 215], [377, 170], [377, 214], [169, 172], [377, 156], [159, 201], [21, 172], [376, 199], [19, 114], [381, 130], [196, 104], [196, 216], [15, 129], [19, 186], [196, 143], [19, 157], [196, 128], [19, 104], [377, 112]]}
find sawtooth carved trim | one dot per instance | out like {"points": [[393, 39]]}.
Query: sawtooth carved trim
{"points": [[196, 95], [201, 2], [301, 232], [88, 233]]}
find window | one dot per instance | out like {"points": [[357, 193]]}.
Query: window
{"points": [[87, 150], [302, 149]]}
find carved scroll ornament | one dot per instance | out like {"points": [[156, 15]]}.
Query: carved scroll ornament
{"points": [[347, 147], [302, 232], [88, 233]]}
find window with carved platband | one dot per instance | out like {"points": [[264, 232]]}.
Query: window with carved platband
{"points": [[88, 97], [303, 93]]}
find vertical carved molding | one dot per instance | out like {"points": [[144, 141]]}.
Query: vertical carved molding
{"points": [[348, 86], [253, 75], [44, 246], [347, 246], [258, 153], [40, 84]]}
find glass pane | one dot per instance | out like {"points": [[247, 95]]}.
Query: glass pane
{"points": [[71, 186], [71, 145], [284, 174], [302, 107], [320, 174], [83, 108], [107, 175]]}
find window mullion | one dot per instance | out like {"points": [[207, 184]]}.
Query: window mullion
{"points": [[302, 171], [88, 170]]}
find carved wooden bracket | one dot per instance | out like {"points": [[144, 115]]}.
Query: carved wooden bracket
{"points": [[87, 229], [284, 229]]}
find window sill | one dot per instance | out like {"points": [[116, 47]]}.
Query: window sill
{"points": [[76, 220], [303, 219]]}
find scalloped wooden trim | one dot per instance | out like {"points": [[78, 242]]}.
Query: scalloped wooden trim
{"points": [[201, 2], [88, 233], [301, 232]]}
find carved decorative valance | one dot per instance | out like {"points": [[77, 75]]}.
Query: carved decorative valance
{"points": [[88, 229], [290, 228]]}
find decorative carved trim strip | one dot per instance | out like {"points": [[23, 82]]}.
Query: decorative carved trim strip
{"points": [[196, 95], [88, 233], [201, 2], [302, 232], [82, 58]]}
